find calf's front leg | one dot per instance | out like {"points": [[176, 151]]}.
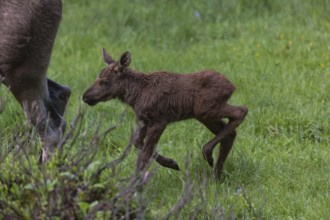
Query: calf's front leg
{"points": [[153, 134], [163, 161]]}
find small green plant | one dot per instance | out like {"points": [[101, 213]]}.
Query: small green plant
{"points": [[72, 184]]}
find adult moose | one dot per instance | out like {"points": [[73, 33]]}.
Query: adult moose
{"points": [[160, 98], [27, 33]]}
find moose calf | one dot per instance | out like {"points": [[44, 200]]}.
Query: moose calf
{"points": [[160, 98]]}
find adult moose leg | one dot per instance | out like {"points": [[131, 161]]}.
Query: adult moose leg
{"points": [[27, 34], [39, 108], [163, 161], [226, 135]]}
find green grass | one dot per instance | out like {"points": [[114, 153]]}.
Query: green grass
{"points": [[277, 54]]}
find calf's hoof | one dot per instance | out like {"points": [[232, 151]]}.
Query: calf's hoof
{"points": [[173, 165], [167, 162], [218, 175], [208, 157]]}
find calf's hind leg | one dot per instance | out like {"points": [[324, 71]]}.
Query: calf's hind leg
{"points": [[225, 145], [225, 133]]}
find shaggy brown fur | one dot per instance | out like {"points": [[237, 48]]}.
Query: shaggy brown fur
{"points": [[160, 98], [27, 34]]}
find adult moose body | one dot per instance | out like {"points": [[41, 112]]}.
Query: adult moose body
{"points": [[27, 33], [160, 98]]}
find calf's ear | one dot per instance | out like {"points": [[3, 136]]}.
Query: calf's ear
{"points": [[125, 60], [106, 57]]}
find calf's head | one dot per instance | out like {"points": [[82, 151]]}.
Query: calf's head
{"points": [[109, 84]]}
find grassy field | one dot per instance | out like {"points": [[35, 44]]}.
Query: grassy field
{"points": [[277, 53]]}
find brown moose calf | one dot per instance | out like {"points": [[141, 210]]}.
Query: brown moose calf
{"points": [[160, 98]]}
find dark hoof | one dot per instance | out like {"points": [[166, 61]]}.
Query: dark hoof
{"points": [[208, 157], [174, 165], [167, 162], [171, 164]]}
